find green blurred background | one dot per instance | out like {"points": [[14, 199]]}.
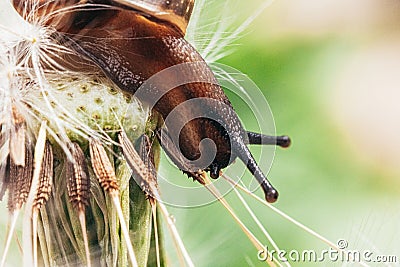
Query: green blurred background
{"points": [[330, 70]]}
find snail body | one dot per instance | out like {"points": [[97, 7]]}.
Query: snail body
{"points": [[134, 41]]}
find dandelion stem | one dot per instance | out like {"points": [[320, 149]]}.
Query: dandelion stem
{"points": [[14, 217], [124, 229], [38, 158], [105, 173], [267, 235], [175, 234], [82, 221], [34, 237], [257, 244], [154, 213]]}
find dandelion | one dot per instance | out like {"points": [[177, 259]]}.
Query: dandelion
{"points": [[76, 107], [74, 159]]}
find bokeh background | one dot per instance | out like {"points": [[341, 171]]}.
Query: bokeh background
{"points": [[330, 71]]}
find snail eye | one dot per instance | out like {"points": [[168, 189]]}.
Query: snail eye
{"points": [[176, 12]]}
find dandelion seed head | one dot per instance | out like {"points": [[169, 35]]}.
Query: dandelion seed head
{"points": [[36, 85], [34, 81], [78, 106]]}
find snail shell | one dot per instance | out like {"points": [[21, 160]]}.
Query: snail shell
{"points": [[176, 12]]}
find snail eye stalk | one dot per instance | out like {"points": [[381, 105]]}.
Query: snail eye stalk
{"points": [[261, 139]]}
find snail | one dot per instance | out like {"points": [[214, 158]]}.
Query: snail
{"points": [[140, 46]]}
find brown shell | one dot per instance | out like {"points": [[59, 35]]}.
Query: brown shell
{"points": [[177, 12]]}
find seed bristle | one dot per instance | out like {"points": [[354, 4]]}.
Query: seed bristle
{"points": [[78, 179]]}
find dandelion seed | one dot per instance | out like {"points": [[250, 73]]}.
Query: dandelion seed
{"points": [[20, 178], [149, 184], [78, 178], [20, 181], [78, 184], [39, 153], [29, 92], [108, 181], [102, 168], [17, 140], [142, 171], [42, 194], [143, 174]]}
